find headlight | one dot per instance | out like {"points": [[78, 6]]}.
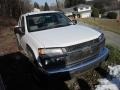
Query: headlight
{"points": [[52, 56], [101, 37], [51, 52]]}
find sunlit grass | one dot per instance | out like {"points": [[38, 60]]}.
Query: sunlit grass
{"points": [[114, 55], [105, 24]]}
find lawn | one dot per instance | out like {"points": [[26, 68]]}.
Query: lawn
{"points": [[114, 55], [105, 24]]}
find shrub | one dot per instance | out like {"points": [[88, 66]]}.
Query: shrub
{"points": [[114, 57], [95, 12], [112, 15]]}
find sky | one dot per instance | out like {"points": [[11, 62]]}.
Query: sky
{"points": [[42, 2]]}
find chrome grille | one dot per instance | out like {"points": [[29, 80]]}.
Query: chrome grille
{"points": [[80, 55], [80, 52]]}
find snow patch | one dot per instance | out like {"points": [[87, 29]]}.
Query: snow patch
{"points": [[111, 83]]}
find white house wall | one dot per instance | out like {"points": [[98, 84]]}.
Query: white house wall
{"points": [[85, 15], [68, 14]]}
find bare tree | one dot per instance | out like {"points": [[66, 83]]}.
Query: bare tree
{"points": [[14, 7]]}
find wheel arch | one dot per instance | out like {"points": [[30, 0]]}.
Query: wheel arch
{"points": [[33, 51]]}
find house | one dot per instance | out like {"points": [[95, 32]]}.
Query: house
{"points": [[36, 10], [78, 11]]}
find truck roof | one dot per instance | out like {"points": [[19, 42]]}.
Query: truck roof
{"points": [[33, 13]]}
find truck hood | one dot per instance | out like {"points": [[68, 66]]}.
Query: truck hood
{"points": [[64, 36]]}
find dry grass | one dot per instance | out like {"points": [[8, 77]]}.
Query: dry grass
{"points": [[7, 37], [7, 21], [105, 24], [7, 41]]}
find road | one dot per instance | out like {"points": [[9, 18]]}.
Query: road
{"points": [[112, 38]]}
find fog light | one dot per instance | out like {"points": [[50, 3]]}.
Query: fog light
{"points": [[46, 62], [58, 59], [53, 61]]}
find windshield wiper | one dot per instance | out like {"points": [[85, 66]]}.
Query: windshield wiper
{"points": [[61, 25]]}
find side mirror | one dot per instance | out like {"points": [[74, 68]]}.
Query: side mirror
{"points": [[18, 30], [74, 22]]}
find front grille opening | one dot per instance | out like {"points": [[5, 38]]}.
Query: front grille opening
{"points": [[78, 54]]}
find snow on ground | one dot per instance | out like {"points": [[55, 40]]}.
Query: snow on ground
{"points": [[112, 82]]}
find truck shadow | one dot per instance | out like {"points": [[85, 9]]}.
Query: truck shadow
{"points": [[18, 73], [84, 84], [102, 72]]}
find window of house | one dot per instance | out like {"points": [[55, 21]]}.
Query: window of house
{"points": [[81, 8], [87, 7]]}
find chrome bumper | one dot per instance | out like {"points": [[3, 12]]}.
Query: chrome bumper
{"points": [[83, 66]]}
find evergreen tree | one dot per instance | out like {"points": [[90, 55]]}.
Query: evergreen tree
{"points": [[95, 12], [36, 5], [46, 7]]}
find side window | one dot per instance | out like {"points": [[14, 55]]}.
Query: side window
{"points": [[23, 24]]}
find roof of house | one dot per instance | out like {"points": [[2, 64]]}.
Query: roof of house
{"points": [[78, 6]]}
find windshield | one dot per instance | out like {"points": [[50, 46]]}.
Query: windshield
{"points": [[46, 21]]}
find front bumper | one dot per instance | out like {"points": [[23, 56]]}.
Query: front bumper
{"points": [[81, 67]]}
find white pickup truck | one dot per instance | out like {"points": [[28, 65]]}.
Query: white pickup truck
{"points": [[57, 45]]}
